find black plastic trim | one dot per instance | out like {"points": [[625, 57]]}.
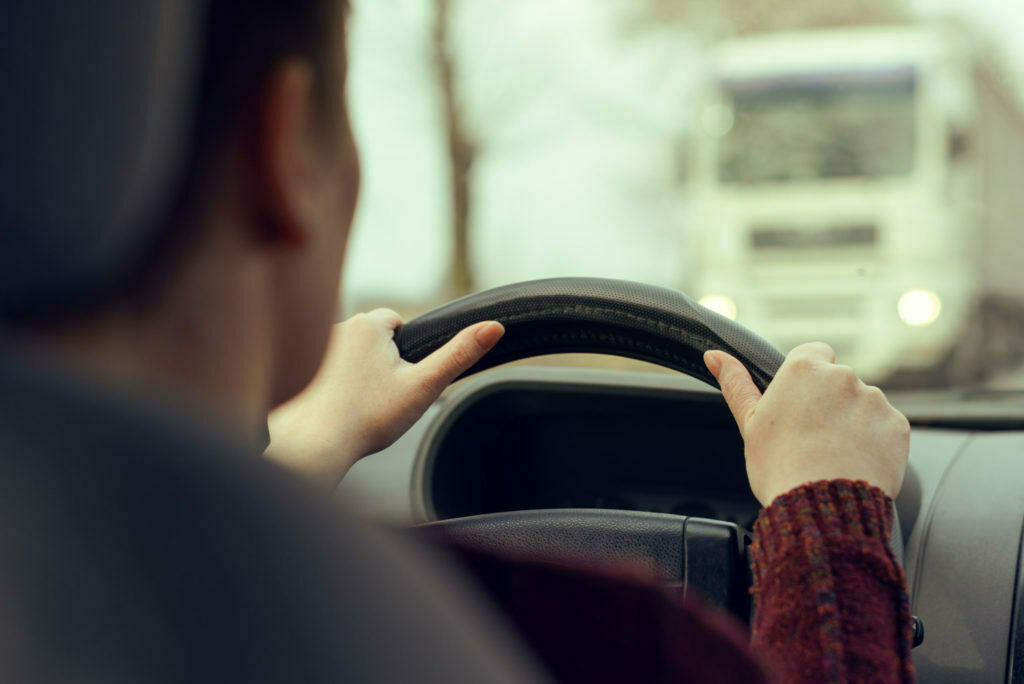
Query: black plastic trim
{"points": [[1015, 652]]}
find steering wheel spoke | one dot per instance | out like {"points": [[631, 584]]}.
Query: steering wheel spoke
{"points": [[697, 556]]}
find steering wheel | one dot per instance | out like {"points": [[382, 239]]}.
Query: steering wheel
{"points": [[621, 318]]}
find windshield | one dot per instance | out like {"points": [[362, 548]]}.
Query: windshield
{"points": [[846, 173], [859, 124]]}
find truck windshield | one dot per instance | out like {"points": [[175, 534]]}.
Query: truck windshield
{"points": [[823, 125]]}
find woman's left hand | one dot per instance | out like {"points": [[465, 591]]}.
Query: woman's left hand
{"points": [[364, 397]]}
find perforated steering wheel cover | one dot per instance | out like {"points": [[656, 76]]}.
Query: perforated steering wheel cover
{"points": [[598, 315]]}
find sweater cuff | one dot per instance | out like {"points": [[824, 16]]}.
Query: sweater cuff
{"points": [[814, 512]]}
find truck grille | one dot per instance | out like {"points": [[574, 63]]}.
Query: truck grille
{"points": [[766, 238], [812, 308]]}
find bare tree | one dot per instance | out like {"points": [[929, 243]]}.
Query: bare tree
{"points": [[461, 148]]}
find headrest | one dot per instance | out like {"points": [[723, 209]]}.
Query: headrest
{"points": [[95, 119]]}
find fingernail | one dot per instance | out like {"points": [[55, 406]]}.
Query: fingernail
{"points": [[488, 335], [713, 362]]}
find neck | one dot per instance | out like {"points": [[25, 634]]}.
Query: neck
{"points": [[207, 343]]}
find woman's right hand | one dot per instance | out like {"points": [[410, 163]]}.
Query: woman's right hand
{"points": [[816, 421]]}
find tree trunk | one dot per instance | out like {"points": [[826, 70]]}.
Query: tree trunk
{"points": [[460, 149]]}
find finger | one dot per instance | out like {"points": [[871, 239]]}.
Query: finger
{"points": [[813, 351], [459, 354], [385, 318], [739, 390]]}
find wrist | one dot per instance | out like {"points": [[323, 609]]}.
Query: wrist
{"points": [[311, 453]]}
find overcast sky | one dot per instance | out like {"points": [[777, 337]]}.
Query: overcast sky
{"points": [[577, 178]]}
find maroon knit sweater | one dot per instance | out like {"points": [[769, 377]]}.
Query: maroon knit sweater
{"points": [[830, 605]]}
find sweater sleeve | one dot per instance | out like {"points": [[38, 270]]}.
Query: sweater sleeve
{"points": [[830, 601]]}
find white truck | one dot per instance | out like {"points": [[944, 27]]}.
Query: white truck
{"points": [[864, 186]]}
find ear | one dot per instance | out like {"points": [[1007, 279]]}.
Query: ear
{"points": [[282, 154]]}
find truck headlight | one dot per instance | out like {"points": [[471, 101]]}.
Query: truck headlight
{"points": [[919, 307], [720, 304]]}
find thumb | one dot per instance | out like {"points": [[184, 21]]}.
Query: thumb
{"points": [[458, 355], [739, 390]]}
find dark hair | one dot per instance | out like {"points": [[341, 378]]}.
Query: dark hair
{"points": [[245, 41]]}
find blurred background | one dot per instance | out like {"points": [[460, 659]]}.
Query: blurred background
{"points": [[848, 172]]}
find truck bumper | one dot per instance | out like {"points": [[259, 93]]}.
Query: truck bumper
{"points": [[859, 319]]}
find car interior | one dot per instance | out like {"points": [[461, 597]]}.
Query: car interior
{"points": [[592, 465], [584, 464]]}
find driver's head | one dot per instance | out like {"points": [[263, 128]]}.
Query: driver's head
{"points": [[277, 174], [249, 252]]}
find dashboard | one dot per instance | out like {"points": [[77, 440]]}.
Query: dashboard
{"points": [[520, 438], [526, 447]]}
